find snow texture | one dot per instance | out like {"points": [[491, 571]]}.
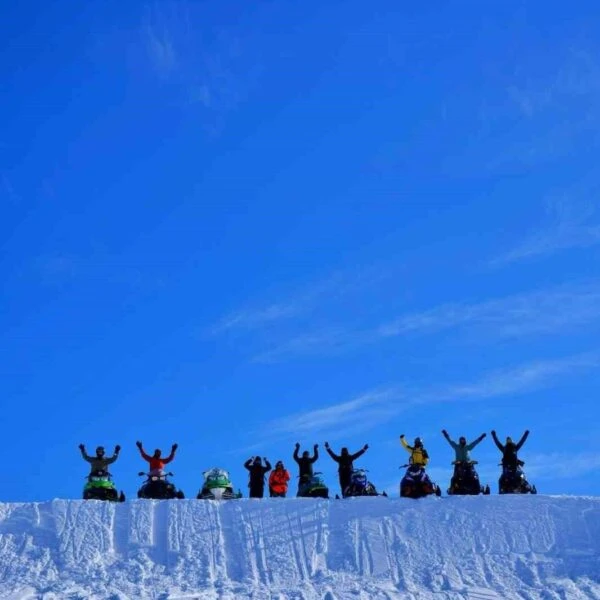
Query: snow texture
{"points": [[483, 548]]}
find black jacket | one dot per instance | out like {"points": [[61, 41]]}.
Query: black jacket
{"points": [[345, 461], [509, 451], [257, 472], [305, 464]]}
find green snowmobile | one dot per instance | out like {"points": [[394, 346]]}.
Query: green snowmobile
{"points": [[217, 486], [100, 486]]}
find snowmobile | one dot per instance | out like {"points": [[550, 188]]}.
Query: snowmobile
{"points": [[100, 486], [513, 481], [314, 487], [417, 484], [217, 486], [465, 481], [360, 485], [158, 487]]}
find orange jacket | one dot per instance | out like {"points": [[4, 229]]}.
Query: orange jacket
{"points": [[278, 481], [157, 464]]}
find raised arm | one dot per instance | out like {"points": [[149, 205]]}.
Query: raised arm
{"points": [[497, 441], [172, 455], [452, 443], [296, 450], [248, 464], [84, 454], [315, 455], [477, 441], [267, 466], [331, 453], [141, 449], [360, 452], [523, 440], [405, 444], [111, 460]]}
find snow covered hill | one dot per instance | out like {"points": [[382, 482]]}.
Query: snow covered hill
{"points": [[475, 548]]}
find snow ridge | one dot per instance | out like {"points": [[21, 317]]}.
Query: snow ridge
{"points": [[532, 547]]}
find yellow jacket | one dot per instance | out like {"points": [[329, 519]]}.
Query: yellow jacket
{"points": [[418, 456]]}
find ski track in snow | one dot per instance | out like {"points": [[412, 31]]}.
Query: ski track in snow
{"points": [[484, 548]]}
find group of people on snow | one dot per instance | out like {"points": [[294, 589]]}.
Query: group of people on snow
{"points": [[279, 477]]}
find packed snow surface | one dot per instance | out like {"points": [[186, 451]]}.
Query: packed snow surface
{"points": [[364, 548]]}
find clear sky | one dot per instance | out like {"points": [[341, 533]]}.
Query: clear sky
{"points": [[238, 225]]}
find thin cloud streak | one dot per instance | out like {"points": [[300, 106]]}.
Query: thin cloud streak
{"points": [[334, 287], [377, 406], [541, 312], [565, 465], [372, 407], [570, 230], [161, 49], [536, 313], [251, 319]]}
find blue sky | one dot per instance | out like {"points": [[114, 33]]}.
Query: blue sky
{"points": [[240, 225]]}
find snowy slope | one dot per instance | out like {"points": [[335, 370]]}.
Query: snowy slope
{"points": [[475, 548]]}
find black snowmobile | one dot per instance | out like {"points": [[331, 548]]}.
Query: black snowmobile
{"points": [[513, 481], [158, 487], [465, 481], [100, 486], [360, 485], [417, 484], [313, 487]]}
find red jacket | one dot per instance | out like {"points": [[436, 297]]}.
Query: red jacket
{"points": [[157, 464], [278, 481]]}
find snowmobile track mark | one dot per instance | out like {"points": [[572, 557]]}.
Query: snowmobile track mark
{"points": [[160, 531], [120, 533]]}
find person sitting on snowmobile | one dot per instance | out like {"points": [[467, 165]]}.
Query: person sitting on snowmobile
{"points": [[305, 463], [156, 461], [346, 463], [278, 481], [99, 463], [418, 454], [257, 476], [462, 456], [462, 449], [510, 460]]}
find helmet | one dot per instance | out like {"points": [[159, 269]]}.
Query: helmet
{"points": [[462, 440], [419, 442], [257, 460], [100, 451], [345, 451], [305, 454], [279, 465]]}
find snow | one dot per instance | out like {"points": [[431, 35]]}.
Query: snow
{"points": [[480, 548]]}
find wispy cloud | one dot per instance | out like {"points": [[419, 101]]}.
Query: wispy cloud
{"points": [[571, 228], [576, 78], [525, 378], [251, 319], [160, 45], [541, 312], [565, 465], [330, 289], [207, 67], [368, 409], [377, 406]]}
